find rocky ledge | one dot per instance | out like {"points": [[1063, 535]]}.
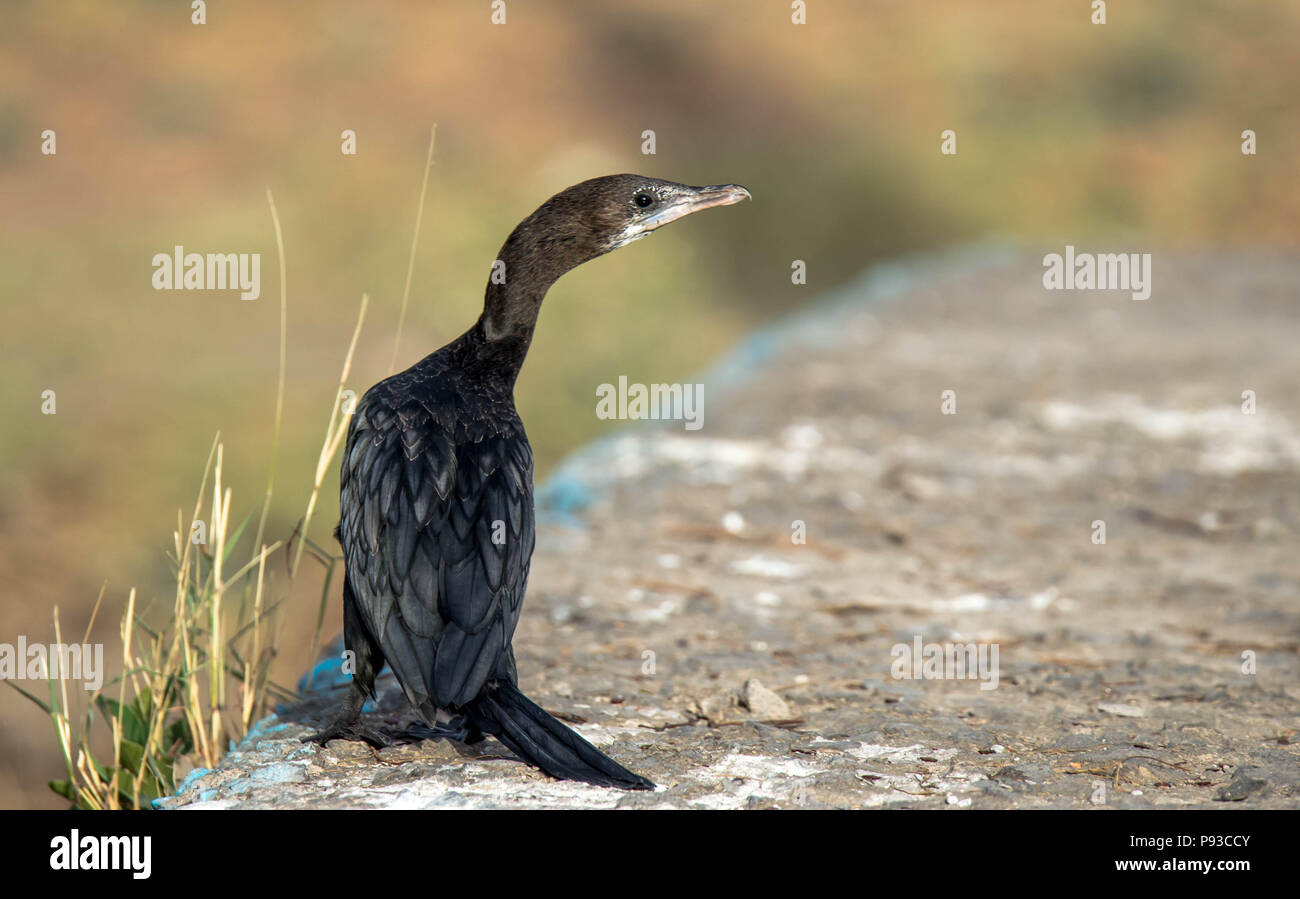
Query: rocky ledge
{"points": [[747, 613]]}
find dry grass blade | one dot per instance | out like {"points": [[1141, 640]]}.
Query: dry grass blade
{"points": [[415, 241], [335, 431], [180, 678]]}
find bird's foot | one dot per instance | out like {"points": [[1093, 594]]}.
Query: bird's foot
{"points": [[353, 731], [348, 726], [458, 729]]}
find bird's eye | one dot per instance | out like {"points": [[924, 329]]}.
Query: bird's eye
{"points": [[643, 199]]}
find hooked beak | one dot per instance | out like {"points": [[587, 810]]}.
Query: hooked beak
{"points": [[693, 200]]}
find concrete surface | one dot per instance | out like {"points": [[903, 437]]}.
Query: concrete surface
{"points": [[673, 620]]}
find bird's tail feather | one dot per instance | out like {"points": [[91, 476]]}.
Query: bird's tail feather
{"points": [[534, 735]]}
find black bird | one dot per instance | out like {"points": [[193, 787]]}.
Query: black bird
{"points": [[436, 496]]}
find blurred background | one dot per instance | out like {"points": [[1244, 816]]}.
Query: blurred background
{"points": [[170, 133]]}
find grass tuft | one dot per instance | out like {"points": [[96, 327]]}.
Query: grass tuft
{"points": [[195, 686]]}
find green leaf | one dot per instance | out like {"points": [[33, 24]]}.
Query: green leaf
{"points": [[132, 754], [165, 773], [178, 735], [104, 772], [233, 539], [133, 726], [109, 706], [144, 702], [148, 792], [44, 706]]}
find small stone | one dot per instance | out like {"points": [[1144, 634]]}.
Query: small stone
{"points": [[763, 703], [1245, 782], [1123, 709], [718, 708]]}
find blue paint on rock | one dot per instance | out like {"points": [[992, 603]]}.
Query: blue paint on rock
{"points": [[191, 777], [279, 773]]}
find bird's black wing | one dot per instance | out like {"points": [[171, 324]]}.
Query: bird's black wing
{"points": [[436, 524]]}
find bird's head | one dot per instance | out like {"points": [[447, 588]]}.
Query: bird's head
{"points": [[631, 207], [578, 224], [603, 214]]}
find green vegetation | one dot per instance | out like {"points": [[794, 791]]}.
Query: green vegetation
{"points": [[198, 683]]}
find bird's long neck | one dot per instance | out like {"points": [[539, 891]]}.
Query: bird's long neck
{"points": [[510, 309], [530, 261]]}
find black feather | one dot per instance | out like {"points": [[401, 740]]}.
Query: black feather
{"points": [[436, 493]]}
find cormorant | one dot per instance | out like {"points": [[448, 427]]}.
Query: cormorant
{"points": [[436, 496]]}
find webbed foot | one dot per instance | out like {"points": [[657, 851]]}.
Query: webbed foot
{"points": [[348, 726]]}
